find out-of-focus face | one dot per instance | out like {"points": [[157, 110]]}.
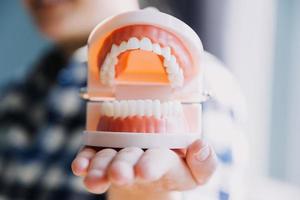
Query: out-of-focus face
{"points": [[67, 20]]}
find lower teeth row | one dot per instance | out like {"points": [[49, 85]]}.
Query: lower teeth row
{"points": [[154, 108]]}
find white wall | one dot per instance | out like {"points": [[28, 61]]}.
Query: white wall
{"points": [[248, 51]]}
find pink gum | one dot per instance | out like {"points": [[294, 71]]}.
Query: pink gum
{"points": [[157, 35], [141, 125]]}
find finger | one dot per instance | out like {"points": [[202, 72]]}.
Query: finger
{"points": [[96, 179], [81, 163], [201, 160], [155, 163], [121, 170]]}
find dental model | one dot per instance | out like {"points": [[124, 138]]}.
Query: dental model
{"points": [[144, 82]]}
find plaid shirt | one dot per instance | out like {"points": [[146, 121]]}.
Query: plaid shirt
{"points": [[41, 120]]}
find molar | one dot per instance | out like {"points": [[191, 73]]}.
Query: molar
{"points": [[166, 53], [122, 47], [114, 51]]}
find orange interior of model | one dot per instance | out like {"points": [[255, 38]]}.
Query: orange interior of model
{"points": [[140, 66], [136, 66]]}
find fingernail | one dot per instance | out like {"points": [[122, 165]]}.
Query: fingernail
{"points": [[203, 154], [83, 163]]}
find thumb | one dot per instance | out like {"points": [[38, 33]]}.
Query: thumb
{"points": [[201, 160]]}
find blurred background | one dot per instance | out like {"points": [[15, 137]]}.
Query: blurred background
{"points": [[258, 40]]}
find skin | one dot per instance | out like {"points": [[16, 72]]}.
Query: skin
{"points": [[130, 173]]}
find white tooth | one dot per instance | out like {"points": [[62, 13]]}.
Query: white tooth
{"points": [[103, 77], [181, 77], [173, 59], [110, 109], [164, 109], [148, 108], [166, 63], [166, 53], [114, 50], [173, 68], [140, 108], [177, 108], [156, 108], [103, 81], [111, 72], [117, 110], [172, 77], [156, 49], [114, 61], [133, 43], [170, 108], [107, 60], [106, 64], [132, 108], [105, 68], [103, 108], [110, 82], [122, 47], [146, 44], [124, 108]]}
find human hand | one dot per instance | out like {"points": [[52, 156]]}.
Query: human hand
{"points": [[132, 170]]}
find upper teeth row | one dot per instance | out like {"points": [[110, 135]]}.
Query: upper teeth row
{"points": [[175, 73], [141, 108]]}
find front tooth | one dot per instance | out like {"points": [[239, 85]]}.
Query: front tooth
{"points": [[156, 109], [124, 109], [156, 49], [133, 43], [132, 108], [166, 53], [140, 108], [117, 110], [122, 47], [148, 108], [170, 108], [164, 109], [146, 44]]}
